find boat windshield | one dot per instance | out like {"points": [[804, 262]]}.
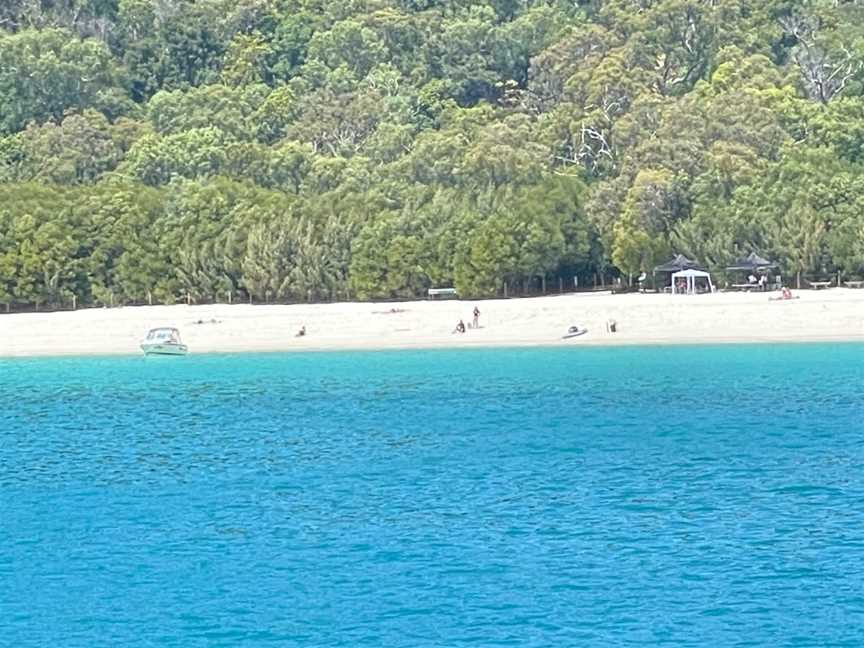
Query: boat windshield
{"points": [[168, 335]]}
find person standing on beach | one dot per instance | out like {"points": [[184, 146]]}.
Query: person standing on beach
{"points": [[476, 323]]}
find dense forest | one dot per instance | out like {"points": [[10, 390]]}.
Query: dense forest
{"points": [[326, 149]]}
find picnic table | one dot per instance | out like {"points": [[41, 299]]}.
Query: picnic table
{"points": [[818, 285], [854, 284]]}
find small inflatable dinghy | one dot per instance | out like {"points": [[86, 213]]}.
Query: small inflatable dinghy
{"points": [[574, 331]]}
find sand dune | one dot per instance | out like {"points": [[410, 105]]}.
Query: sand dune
{"points": [[829, 315]]}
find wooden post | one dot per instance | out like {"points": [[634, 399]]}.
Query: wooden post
{"points": [[505, 290], [188, 299], [799, 280], [111, 300], [543, 283], [229, 297], [149, 298], [74, 302], [561, 285]]}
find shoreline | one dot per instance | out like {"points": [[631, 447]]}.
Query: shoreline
{"points": [[564, 344], [708, 342], [829, 316]]}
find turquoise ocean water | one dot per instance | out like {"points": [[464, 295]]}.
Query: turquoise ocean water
{"points": [[693, 496]]}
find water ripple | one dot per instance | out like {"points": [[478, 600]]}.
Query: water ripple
{"points": [[693, 496]]}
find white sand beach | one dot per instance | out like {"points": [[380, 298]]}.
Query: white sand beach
{"points": [[827, 315]]}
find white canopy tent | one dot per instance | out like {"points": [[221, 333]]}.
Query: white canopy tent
{"points": [[689, 278]]}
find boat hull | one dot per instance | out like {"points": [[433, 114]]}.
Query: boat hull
{"points": [[157, 348], [576, 334]]}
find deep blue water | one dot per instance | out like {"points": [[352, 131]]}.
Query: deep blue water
{"points": [[635, 496]]}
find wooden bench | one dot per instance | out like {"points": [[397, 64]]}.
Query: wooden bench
{"points": [[442, 292]]}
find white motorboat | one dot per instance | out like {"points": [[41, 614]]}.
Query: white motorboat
{"points": [[164, 341]]}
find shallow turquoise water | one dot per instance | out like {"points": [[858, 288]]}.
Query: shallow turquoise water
{"points": [[636, 496]]}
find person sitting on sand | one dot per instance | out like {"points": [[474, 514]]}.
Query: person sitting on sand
{"points": [[785, 294], [301, 332], [460, 327]]}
